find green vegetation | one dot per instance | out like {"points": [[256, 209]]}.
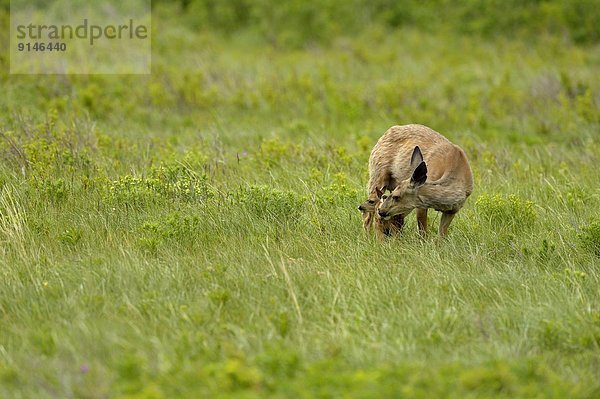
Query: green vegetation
{"points": [[194, 233], [295, 22]]}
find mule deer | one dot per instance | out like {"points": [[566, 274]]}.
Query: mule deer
{"points": [[423, 170]]}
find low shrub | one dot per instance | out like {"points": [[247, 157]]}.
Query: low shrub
{"points": [[509, 212], [271, 204], [589, 237]]}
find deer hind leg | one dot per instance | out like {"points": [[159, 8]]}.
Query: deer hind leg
{"points": [[422, 221], [445, 222]]}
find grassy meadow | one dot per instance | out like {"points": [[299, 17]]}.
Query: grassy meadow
{"points": [[194, 233]]}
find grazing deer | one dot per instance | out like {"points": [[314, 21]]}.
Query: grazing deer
{"points": [[423, 170]]}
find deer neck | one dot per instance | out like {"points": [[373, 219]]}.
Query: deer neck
{"points": [[436, 195]]}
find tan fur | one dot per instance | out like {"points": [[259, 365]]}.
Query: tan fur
{"points": [[389, 227], [448, 184]]}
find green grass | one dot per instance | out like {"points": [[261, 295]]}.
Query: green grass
{"points": [[194, 233]]}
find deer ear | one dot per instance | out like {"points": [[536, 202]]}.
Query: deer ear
{"points": [[416, 158], [379, 192], [419, 175]]}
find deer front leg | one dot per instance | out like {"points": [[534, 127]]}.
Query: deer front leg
{"points": [[382, 228], [382, 182], [367, 219], [398, 223], [389, 228], [422, 221], [445, 222]]}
